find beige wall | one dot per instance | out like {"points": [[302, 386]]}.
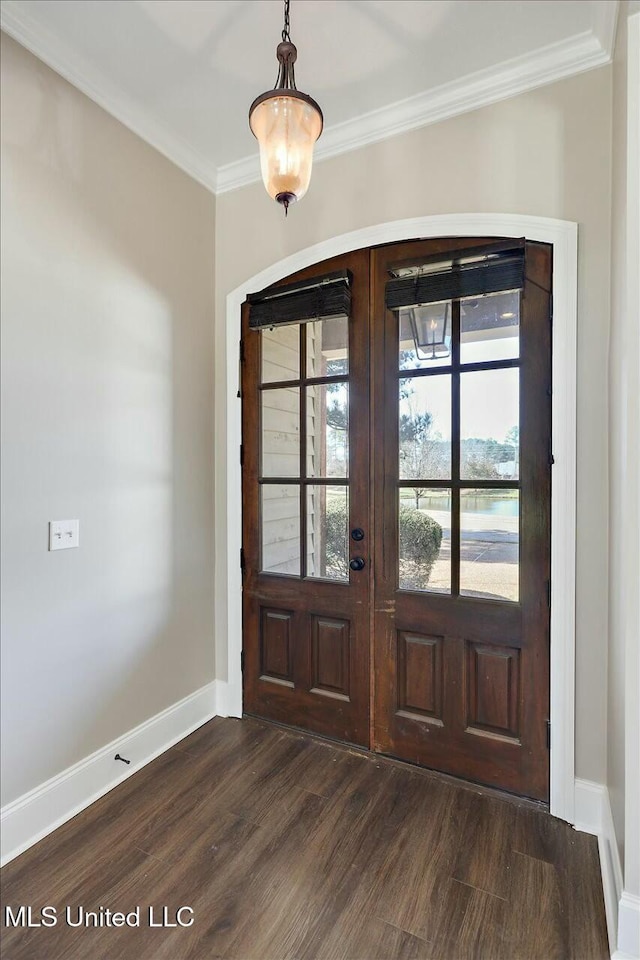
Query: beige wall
{"points": [[545, 153], [623, 720], [617, 442], [107, 357]]}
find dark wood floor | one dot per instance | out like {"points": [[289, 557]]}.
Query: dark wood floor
{"points": [[289, 847]]}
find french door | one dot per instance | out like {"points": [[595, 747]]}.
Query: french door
{"points": [[396, 491], [306, 612]]}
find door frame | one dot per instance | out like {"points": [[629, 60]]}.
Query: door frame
{"points": [[563, 236]]}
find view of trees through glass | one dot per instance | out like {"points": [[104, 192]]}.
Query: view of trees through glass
{"points": [[489, 442], [489, 450]]}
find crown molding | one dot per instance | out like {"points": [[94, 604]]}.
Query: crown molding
{"points": [[16, 21], [605, 24], [557, 61]]}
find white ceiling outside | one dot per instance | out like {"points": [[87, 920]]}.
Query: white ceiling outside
{"points": [[182, 73]]}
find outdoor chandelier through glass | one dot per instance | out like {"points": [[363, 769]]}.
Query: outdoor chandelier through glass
{"points": [[286, 124], [430, 329]]}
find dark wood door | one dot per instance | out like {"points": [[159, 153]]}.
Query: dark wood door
{"points": [[427, 430], [462, 505], [305, 398]]}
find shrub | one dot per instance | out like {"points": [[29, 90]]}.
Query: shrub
{"points": [[336, 544], [420, 540]]}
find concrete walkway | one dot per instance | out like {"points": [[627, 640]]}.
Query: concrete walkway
{"points": [[488, 555]]}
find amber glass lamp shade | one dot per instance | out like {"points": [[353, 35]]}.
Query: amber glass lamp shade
{"points": [[286, 124], [286, 128]]}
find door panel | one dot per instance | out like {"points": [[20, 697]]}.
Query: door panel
{"points": [[305, 392], [493, 684], [462, 641], [420, 676], [330, 656], [415, 446], [276, 648]]}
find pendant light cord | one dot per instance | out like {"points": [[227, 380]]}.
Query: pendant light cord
{"points": [[285, 30]]}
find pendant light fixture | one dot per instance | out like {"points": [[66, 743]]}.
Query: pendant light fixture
{"points": [[286, 124], [430, 329]]}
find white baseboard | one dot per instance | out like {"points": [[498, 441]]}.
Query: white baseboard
{"points": [[628, 927], [593, 815], [588, 805], [37, 813]]}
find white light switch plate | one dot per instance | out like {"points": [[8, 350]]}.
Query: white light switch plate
{"points": [[64, 534]]}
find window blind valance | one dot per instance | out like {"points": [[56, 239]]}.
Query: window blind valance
{"points": [[474, 277], [319, 298]]}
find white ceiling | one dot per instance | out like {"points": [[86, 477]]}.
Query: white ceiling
{"points": [[182, 73]]}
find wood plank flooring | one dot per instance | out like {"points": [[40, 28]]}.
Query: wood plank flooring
{"points": [[290, 848]]}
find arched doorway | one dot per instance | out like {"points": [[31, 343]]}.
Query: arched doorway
{"points": [[563, 237], [396, 497]]}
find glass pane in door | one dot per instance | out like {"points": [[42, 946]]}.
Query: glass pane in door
{"points": [[328, 430], [281, 432], [328, 347], [425, 336], [424, 535], [489, 424], [327, 532], [490, 327], [424, 427], [280, 353], [280, 523], [489, 543]]}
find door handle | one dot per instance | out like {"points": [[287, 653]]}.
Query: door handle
{"points": [[358, 563], [357, 534]]}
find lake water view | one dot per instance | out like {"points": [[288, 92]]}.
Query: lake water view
{"points": [[470, 503]]}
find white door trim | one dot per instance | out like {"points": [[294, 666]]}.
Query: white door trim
{"points": [[563, 235]]}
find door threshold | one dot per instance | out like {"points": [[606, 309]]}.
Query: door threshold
{"points": [[427, 772]]}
